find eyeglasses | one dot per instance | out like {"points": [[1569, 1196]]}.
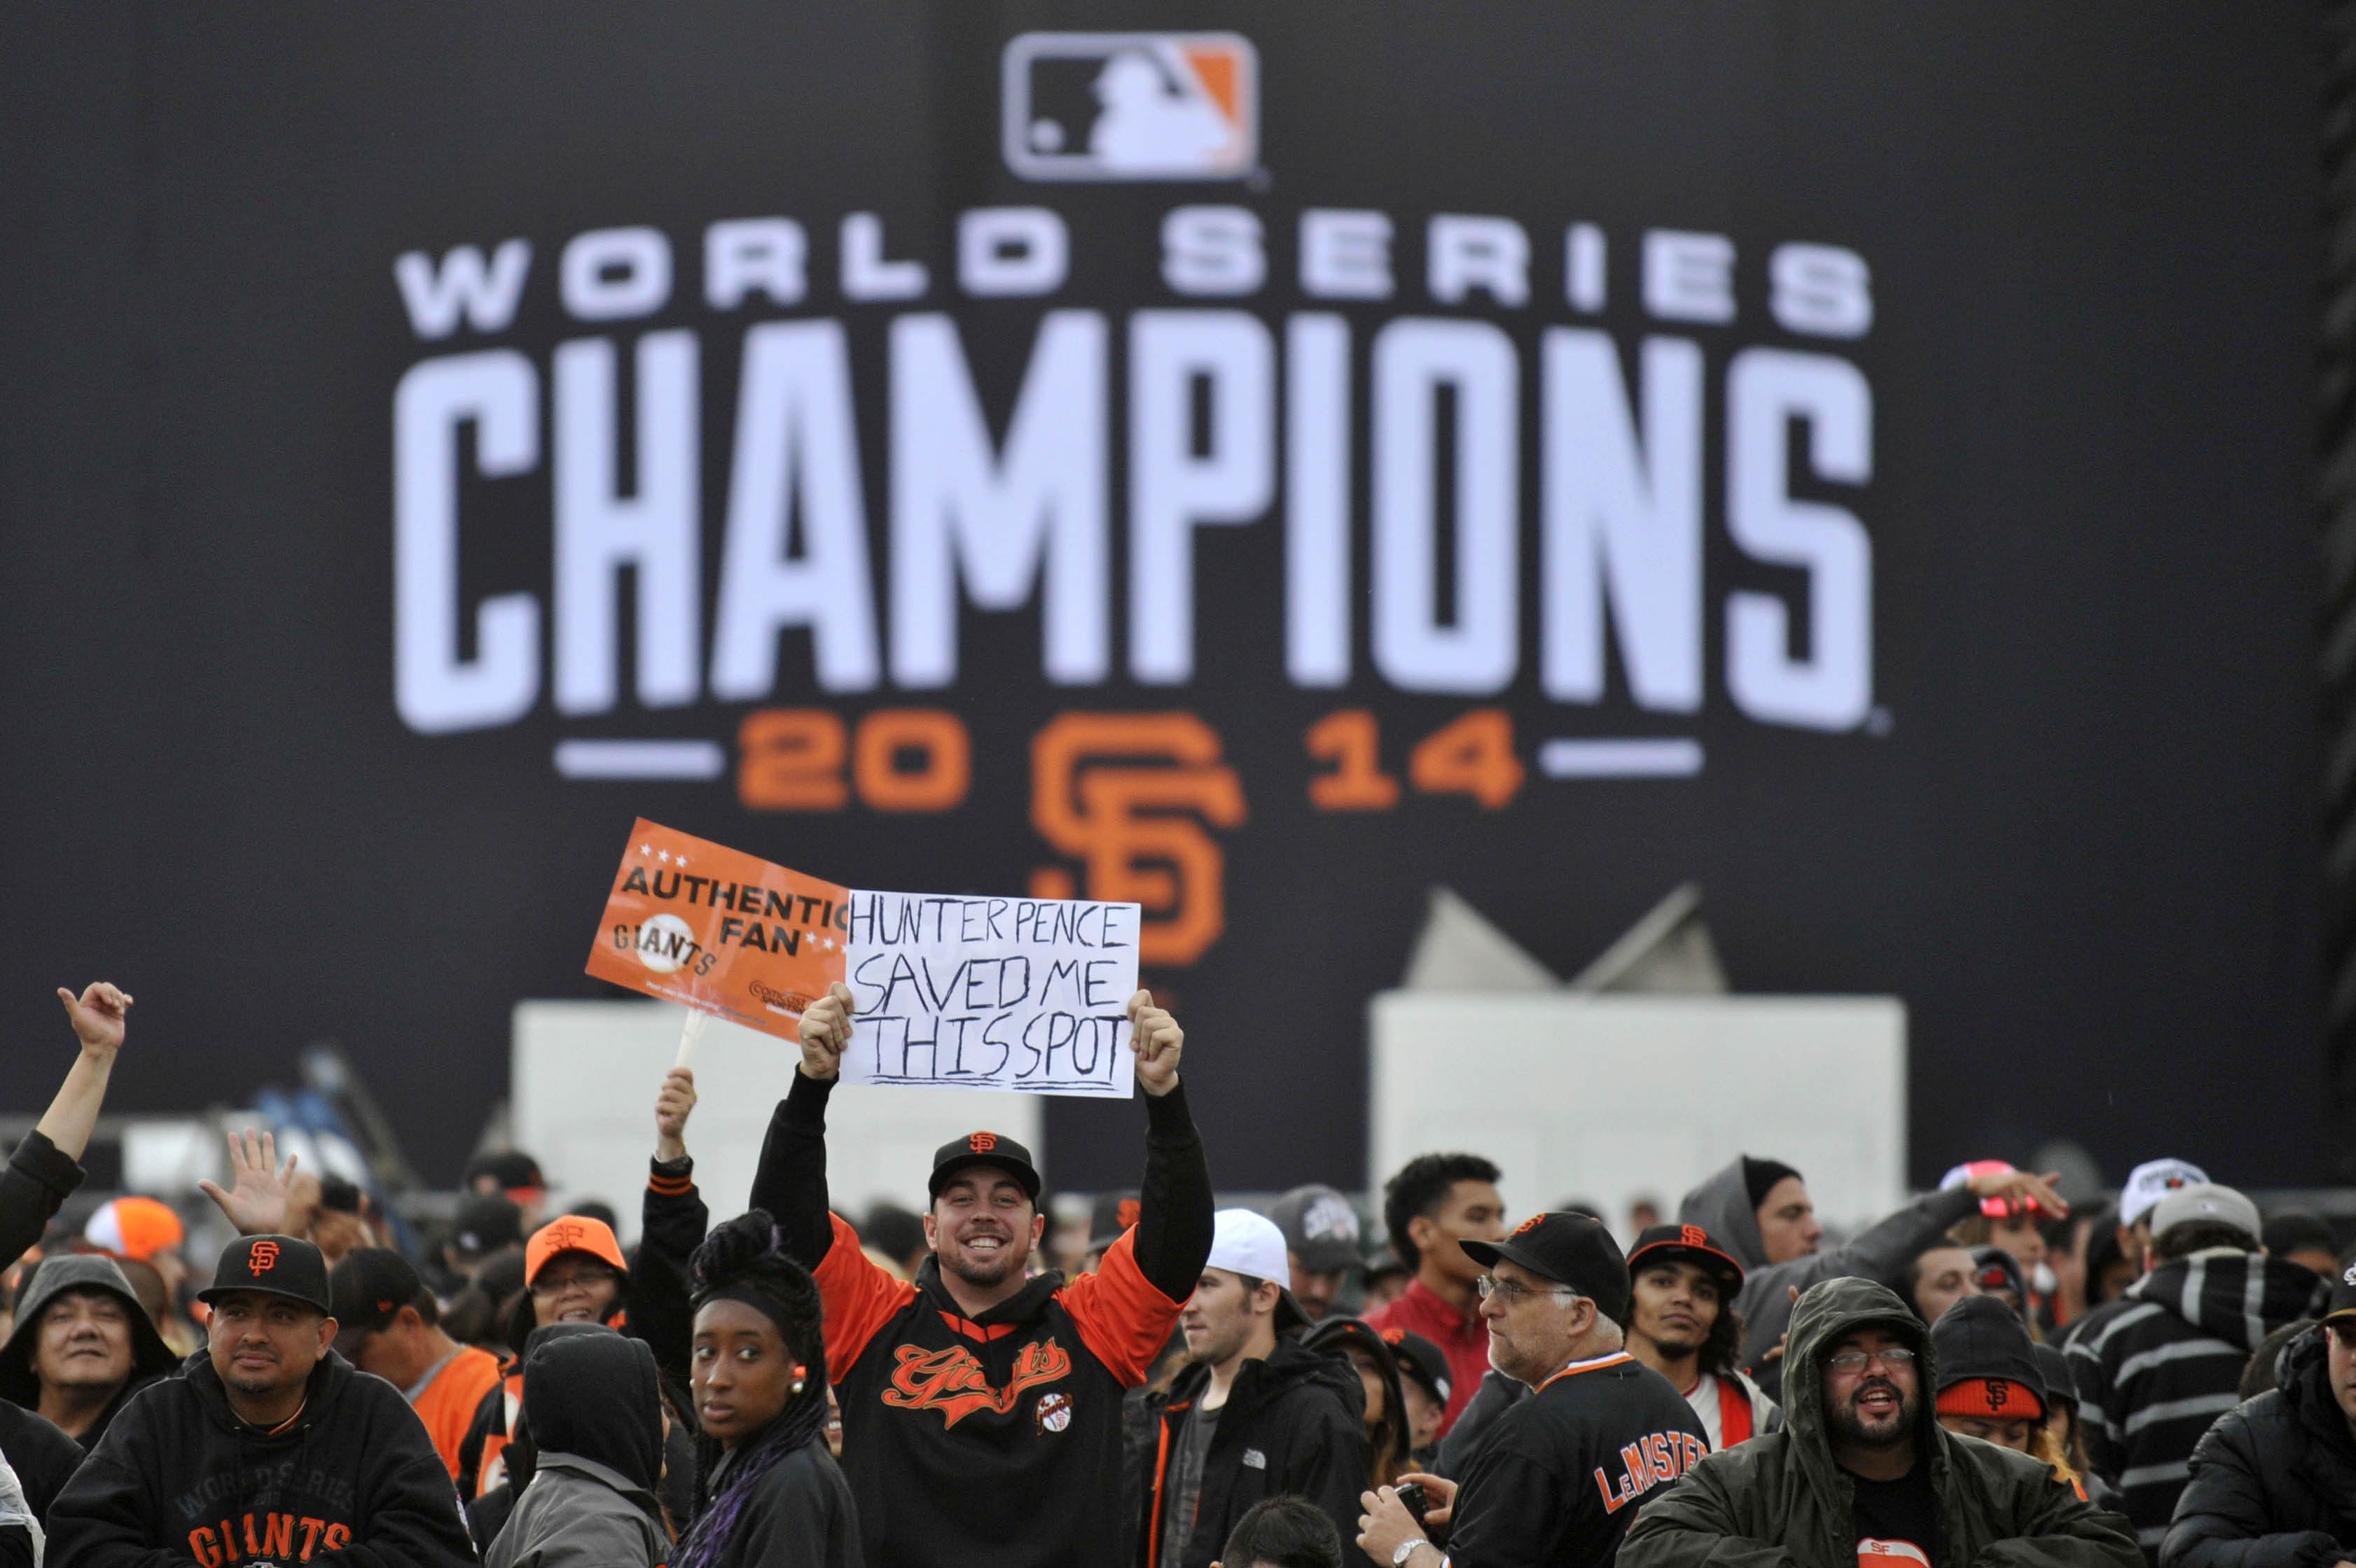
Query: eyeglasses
{"points": [[1512, 1291], [1894, 1356], [557, 1284]]}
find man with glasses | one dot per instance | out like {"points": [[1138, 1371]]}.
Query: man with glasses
{"points": [[1862, 1471], [2274, 1481], [1559, 1478]]}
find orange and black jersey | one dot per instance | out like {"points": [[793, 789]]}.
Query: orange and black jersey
{"points": [[992, 1440], [1559, 1482]]}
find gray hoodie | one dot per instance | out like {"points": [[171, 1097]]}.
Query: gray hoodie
{"points": [[1721, 1206]]}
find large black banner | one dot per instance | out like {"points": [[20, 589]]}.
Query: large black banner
{"points": [[1256, 460]]}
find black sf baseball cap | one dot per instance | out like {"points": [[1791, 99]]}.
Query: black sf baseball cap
{"points": [[1570, 1249], [276, 1266], [994, 1149], [1688, 1244]]}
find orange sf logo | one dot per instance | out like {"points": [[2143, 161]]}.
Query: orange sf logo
{"points": [[983, 1143], [1695, 1236], [564, 1236], [1124, 1215], [1394, 1336], [263, 1259], [953, 1383], [1529, 1224], [1127, 794]]}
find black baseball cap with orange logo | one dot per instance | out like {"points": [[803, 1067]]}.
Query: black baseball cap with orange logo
{"points": [[276, 1266], [1570, 1249], [1688, 1245], [994, 1149]]}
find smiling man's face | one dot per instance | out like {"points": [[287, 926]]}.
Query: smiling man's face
{"points": [[1875, 1404], [84, 1341], [984, 1226]]}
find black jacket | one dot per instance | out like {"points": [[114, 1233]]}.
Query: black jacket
{"points": [[43, 1457], [2154, 1375], [1293, 1423], [992, 1442], [2273, 1482], [37, 1180], [800, 1515], [355, 1482]]}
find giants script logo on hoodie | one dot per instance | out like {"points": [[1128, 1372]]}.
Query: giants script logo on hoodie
{"points": [[281, 1536], [953, 1383]]}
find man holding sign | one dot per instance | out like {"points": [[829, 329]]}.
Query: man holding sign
{"points": [[981, 1407]]}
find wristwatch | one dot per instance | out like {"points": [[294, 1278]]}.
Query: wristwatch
{"points": [[1405, 1550]]}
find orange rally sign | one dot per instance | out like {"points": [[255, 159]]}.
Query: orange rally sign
{"points": [[693, 921]]}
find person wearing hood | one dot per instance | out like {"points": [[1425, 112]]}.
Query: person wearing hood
{"points": [[1761, 1212], [269, 1448], [1862, 1471], [575, 1271], [82, 1346], [2274, 1481], [2154, 1374], [1600, 1435], [1255, 1414], [597, 1446]]}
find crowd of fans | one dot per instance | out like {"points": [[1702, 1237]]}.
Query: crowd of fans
{"points": [[1987, 1377]]}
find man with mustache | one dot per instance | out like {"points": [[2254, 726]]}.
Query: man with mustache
{"points": [[269, 1449], [1681, 1323], [1862, 1472], [982, 1405]]}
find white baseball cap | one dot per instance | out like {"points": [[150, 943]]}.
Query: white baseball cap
{"points": [[1249, 1243], [2153, 1180], [2204, 1200]]}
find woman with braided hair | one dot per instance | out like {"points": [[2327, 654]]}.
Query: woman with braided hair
{"points": [[771, 1495]]}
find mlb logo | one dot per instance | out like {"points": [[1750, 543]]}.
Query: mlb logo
{"points": [[1131, 106]]}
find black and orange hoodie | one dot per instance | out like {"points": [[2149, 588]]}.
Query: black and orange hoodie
{"points": [[994, 1441], [352, 1480]]}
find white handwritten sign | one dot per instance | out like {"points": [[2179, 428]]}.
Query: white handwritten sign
{"points": [[986, 993]]}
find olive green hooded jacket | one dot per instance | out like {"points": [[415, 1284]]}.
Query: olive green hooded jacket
{"points": [[1779, 1502]]}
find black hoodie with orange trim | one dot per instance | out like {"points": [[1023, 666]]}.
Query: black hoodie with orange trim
{"points": [[991, 1442], [352, 1481]]}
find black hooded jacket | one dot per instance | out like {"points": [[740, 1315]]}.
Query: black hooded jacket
{"points": [[1292, 1423], [39, 1178], [2273, 1482], [353, 1480], [52, 1277]]}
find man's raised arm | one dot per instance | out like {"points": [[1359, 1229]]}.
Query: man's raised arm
{"points": [[46, 1167], [1174, 1202], [791, 1182]]}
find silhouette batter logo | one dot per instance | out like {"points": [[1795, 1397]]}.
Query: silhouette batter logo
{"points": [[1131, 106]]}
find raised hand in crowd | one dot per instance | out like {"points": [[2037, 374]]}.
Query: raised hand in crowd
{"points": [[825, 1030], [2019, 1185], [1157, 1039], [261, 1201], [97, 1016], [674, 1103]]}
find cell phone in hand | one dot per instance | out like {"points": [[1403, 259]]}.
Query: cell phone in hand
{"points": [[1413, 1498]]}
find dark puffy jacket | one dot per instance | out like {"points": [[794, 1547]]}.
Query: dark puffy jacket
{"points": [[1722, 1206], [1779, 1502], [1293, 1423], [2273, 1482]]}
